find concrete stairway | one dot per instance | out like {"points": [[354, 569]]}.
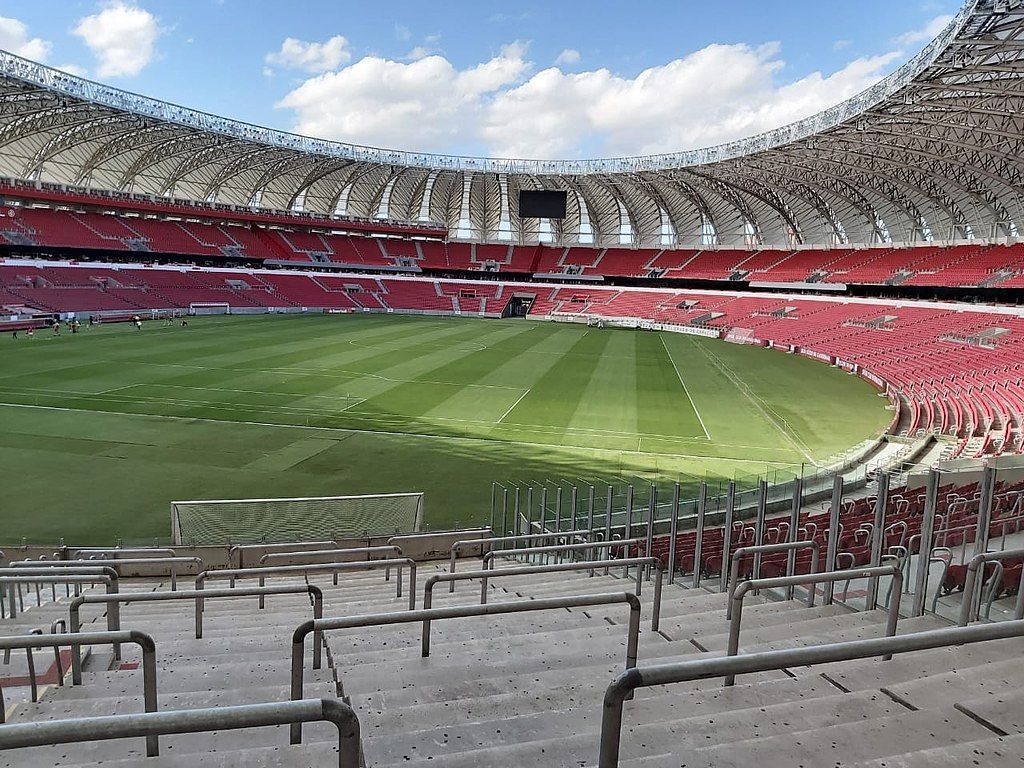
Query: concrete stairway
{"points": [[526, 689]]}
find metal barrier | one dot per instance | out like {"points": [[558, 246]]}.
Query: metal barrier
{"points": [[113, 616], [315, 593], [528, 537], [144, 641], [971, 583], [737, 555], [311, 553], [93, 570], [428, 589], [457, 612], [154, 724], [708, 668], [488, 558], [173, 562], [140, 551], [740, 591], [305, 570], [240, 549]]}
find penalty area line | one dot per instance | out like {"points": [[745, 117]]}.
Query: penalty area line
{"points": [[512, 407]]}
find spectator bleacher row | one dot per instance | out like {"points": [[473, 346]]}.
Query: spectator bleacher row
{"points": [[134, 289], [955, 524], [986, 265], [957, 373]]}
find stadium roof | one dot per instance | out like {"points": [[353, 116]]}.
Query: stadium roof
{"points": [[934, 151]]}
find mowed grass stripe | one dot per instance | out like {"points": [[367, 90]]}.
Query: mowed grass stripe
{"points": [[608, 399], [554, 397], [666, 406]]}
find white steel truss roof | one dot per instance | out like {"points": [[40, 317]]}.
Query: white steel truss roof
{"points": [[934, 151]]}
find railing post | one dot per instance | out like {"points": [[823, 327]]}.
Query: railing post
{"points": [[608, 524], [652, 508], [573, 503], [591, 500], [673, 532], [494, 487], [925, 548], [877, 538], [504, 511], [730, 511], [543, 510], [833, 537], [988, 483], [515, 511], [529, 509], [628, 531], [698, 543], [762, 511], [794, 524], [558, 509]]}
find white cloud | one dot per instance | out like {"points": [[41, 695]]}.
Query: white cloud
{"points": [[121, 36], [424, 104], [568, 56], [925, 34], [14, 38], [506, 108], [311, 57]]}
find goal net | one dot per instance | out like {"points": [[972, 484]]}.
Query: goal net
{"points": [[209, 308], [239, 521]]}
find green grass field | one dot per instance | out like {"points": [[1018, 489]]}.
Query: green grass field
{"points": [[101, 430]]}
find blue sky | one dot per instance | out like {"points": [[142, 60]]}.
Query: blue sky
{"points": [[535, 79]]}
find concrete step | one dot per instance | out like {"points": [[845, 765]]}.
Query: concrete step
{"points": [[265, 747], [995, 752], [648, 726], [997, 680], [847, 743], [599, 636], [387, 712], [872, 673]]}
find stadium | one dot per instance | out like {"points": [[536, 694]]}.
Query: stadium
{"points": [[642, 401]]}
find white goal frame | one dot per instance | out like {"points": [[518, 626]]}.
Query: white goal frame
{"points": [[198, 307], [179, 507]]}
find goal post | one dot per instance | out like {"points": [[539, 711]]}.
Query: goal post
{"points": [[209, 308], [240, 521]]}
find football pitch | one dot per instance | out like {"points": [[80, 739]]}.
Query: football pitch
{"points": [[100, 430]]}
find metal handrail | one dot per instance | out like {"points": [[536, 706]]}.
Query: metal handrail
{"points": [[456, 612], [526, 537], [428, 589], [488, 559], [113, 615], [970, 583], [144, 641], [311, 553], [172, 561], [737, 595], [154, 724], [305, 570], [74, 614], [56, 650], [386, 548], [239, 549], [627, 682], [738, 555], [94, 570]]}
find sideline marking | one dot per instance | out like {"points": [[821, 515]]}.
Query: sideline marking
{"points": [[687, 391]]}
